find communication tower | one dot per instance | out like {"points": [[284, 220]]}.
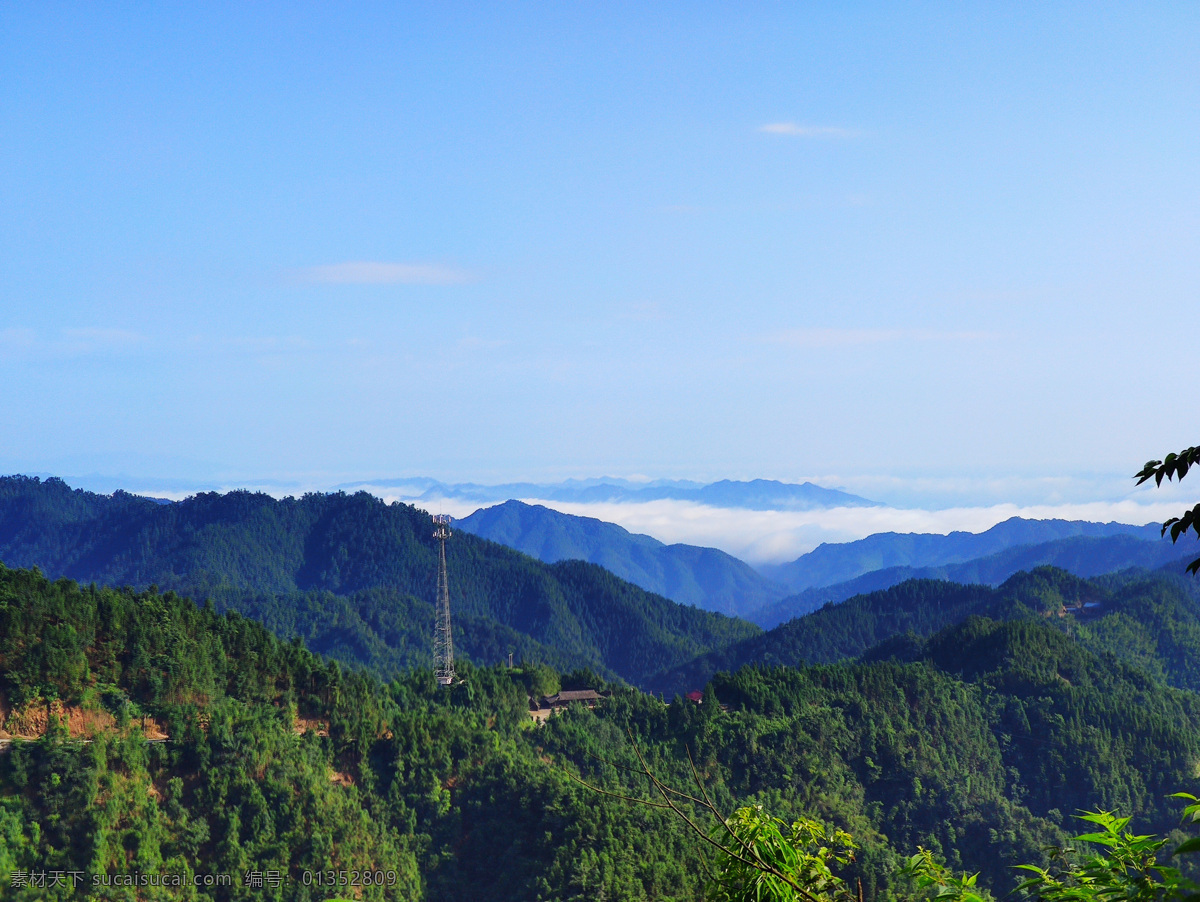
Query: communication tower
{"points": [[443, 642]]}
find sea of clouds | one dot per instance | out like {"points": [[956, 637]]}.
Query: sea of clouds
{"points": [[768, 537]]}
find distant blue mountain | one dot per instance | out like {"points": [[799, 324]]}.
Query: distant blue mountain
{"points": [[704, 577], [756, 494], [1080, 555], [829, 564]]}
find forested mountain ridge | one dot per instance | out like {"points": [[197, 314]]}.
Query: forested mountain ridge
{"points": [[832, 563], [1055, 712], [979, 742], [705, 577], [1150, 619], [354, 576], [1081, 555]]}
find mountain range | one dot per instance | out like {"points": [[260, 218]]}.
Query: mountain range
{"points": [[1124, 613], [1082, 555], [705, 577], [714, 580], [755, 494], [832, 563], [354, 577], [973, 719]]}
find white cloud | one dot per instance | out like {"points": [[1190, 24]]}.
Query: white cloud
{"points": [[478, 343], [776, 536], [642, 312], [118, 338], [758, 537], [268, 343], [807, 131], [366, 272], [830, 338], [761, 537], [947, 490], [245, 345], [69, 343], [17, 338]]}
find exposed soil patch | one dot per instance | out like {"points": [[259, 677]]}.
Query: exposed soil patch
{"points": [[311, 725], [88, 724], [32, 720], [154, 729]]}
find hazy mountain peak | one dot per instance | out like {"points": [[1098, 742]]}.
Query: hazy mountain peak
{"points": [[705, 577], [754, 494]]}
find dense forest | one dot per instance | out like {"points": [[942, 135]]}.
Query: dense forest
{"points": [[1082, 555], [354, 577], [979, 743], [1149, 618]]}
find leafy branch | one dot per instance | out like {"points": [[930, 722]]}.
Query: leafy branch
{"points": [[758, 856], [1175, 466], [940, 882]]}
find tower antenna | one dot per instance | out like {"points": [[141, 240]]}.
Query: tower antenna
{"points": [[443, 641]]}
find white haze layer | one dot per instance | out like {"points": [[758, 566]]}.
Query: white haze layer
{"points": [[769, 537]]}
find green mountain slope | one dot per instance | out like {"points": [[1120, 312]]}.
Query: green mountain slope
{"points": [[1153, 620], [704, 577], [1040, 718], [354, 575], [837, 632], [1063, 709], [979, 742], [277, 762], [1081, 555]]}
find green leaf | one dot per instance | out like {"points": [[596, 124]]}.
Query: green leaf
{"points": [[1104, 839], [1191, 845]]}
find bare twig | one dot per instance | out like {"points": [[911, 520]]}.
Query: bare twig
{"points": [[761, 865], [755, 861], [634, 770], [615, 795]]}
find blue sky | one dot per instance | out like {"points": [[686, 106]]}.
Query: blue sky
{"points": [[869, 244]]}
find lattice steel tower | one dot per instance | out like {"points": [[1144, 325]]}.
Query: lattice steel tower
{"points": [[443, 642]]}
